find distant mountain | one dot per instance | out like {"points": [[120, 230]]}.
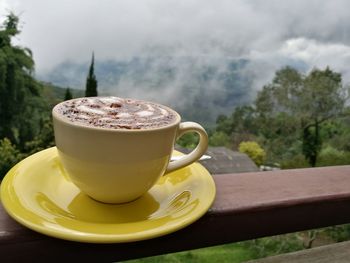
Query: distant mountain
{"points": [[199, 88]]}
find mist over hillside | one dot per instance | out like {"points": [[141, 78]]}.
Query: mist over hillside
{"points": [[199, 88], [190, 55]]}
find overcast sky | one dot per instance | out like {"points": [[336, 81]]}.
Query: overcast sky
{"points": [[269, 31]]}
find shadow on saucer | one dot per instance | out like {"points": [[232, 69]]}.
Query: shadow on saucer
{"points": [[84, 208]]}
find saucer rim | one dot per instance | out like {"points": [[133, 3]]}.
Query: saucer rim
{"points": [[16, 210]]}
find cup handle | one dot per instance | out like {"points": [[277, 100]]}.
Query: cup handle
{"points": [[197, 152]]}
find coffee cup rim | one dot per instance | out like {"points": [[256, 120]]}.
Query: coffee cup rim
{"points": [[59, 117]]}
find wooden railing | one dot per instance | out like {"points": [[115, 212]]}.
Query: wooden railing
{"points": [[247, 206]]}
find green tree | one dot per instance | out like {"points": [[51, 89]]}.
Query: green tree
{"points": [[44, 139], [336, 132], [323, 98], [277, 103], [17, 86], [243, 120], [91, 82], [294, 106], [232, 130], [224, 124], [68, 95], [219, 138], [23, 109], [188, 140]]}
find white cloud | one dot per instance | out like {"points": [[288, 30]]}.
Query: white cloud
{"points": [[313, 51], [316, 32], [303, 53], [318, 54]]}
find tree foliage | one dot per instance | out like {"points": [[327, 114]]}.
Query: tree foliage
{"points": [[23, 109], [219, 138], [9, 155], [254, 151], [68, 94], [292, 115], [43, 139], [18, 89], [188, 140], [296, 103], [91, 82]]}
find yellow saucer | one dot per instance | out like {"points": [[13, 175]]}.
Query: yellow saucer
{"points": [[38, 194]]}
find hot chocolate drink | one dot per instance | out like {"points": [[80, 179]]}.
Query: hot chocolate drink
{"points": [[116, 113]]}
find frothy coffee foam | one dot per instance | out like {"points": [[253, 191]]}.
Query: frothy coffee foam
{"points": [[116, 113]]}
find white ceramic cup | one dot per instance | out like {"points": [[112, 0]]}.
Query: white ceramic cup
{"points": [[117, 165]]}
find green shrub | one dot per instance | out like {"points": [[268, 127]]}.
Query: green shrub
{"points": [[339, 233], [188, 140], [254, 151], [297, 161], [332, 156], [9, 156], [274, 245]]}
